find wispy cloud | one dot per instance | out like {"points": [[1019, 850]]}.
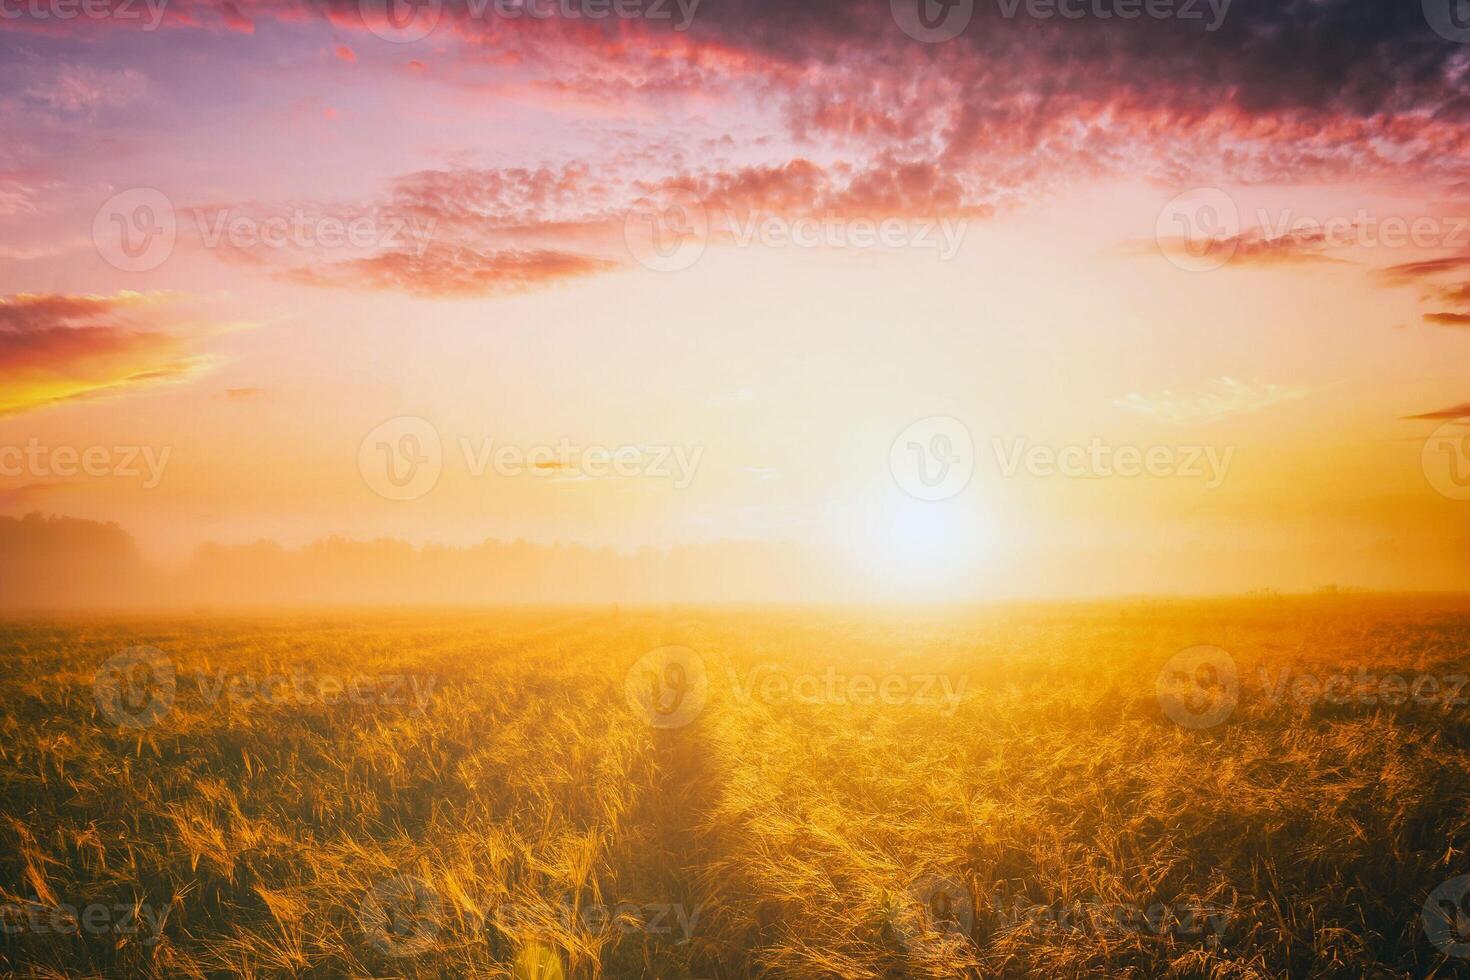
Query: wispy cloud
{"points": [[450, 272], [1220, 399], [1251, 247], [1431, 272], [1453, 412], [82, 89]]}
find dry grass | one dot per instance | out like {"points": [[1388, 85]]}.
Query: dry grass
{"points": [[543, 816]]}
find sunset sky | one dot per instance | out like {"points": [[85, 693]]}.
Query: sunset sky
{"points": [[1300, 315]]}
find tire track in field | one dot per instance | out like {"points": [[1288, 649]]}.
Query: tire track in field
{"points": [[678, 845], [684, 794]]}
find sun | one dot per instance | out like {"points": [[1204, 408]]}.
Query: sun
{"points": [[917, 546]]}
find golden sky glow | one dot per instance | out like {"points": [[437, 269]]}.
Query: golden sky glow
{"points": [[357, 228]]}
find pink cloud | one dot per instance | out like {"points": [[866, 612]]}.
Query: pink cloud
{"points": [[450, 272], [76, 88]]}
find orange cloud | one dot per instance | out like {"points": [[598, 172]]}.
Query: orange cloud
{"points": [[1251, 247], [57, 348], [1428, 270], [244, 394], [1409, 272], [1453, 412], [453, 271]]}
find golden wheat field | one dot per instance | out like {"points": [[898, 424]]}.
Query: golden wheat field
{"points": [[1234, 788]]}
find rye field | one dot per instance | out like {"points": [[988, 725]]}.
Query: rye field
{"points": [[1264, 787]]}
